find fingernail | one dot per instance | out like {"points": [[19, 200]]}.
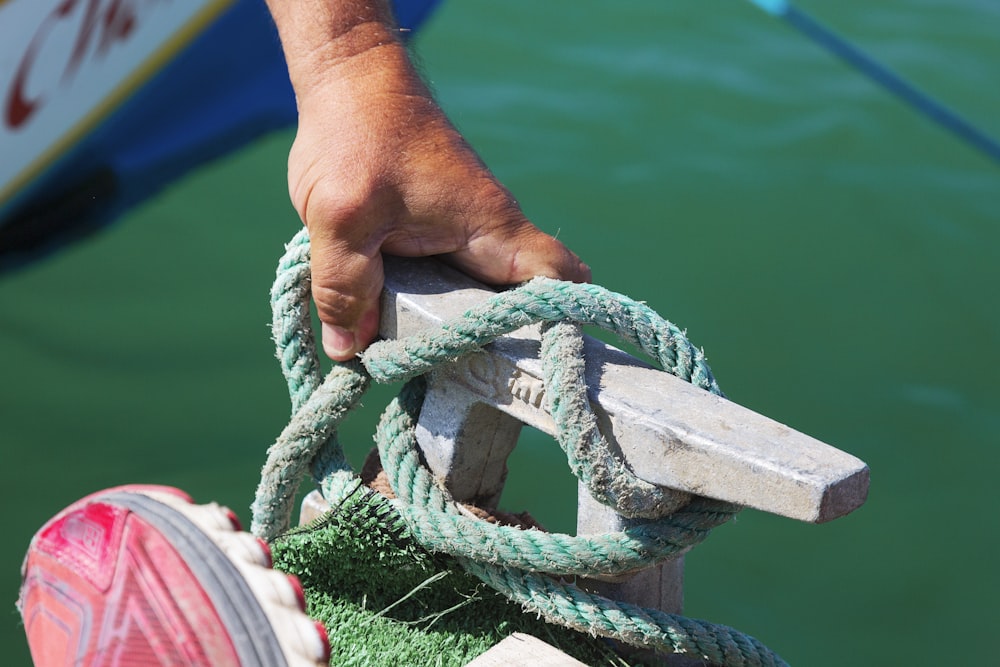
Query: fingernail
{"points": [[338, 342]]}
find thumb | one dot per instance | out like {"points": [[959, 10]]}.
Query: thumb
{"points": [[346, 286], [512, 250]]}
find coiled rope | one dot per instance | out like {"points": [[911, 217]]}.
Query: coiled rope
{"points": [[526, 565]]}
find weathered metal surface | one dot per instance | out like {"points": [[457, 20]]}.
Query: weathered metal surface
{"points": [[523, 650], [671, 433]]}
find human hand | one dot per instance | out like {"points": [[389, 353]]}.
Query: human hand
{"points": [[377, 167]]}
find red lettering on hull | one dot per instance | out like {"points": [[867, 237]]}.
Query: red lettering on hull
{"points": [[101, 25]]}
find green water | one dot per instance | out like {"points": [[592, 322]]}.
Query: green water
{"points": [[833, 253]]}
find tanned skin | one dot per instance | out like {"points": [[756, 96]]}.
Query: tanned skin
{"points": [[377, 167]]}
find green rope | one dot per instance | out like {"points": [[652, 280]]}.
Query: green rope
{"points": [[526, 565], [591, 459], [437, 522]]}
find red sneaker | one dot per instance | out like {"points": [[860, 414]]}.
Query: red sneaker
{"points": [[138, 575]]}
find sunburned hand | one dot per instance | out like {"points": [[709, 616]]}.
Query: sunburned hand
{"points": [[376, 167]]}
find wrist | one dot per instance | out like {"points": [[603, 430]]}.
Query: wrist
{"points": [[374, 81], [329, 39]]}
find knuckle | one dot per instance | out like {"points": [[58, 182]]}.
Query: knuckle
{"points": [[335, 306], [338, 204], [345, 284]]}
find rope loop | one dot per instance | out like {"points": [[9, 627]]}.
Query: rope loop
{"points": [[529, 566]]}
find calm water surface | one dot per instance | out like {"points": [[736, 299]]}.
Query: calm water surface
{"points": [[834, 254]]}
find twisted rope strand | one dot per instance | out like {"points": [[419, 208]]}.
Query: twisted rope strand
{"points": [[543, 300], [434, 518], [311, 427], [571, 606], [291, 328], [591, 459]]}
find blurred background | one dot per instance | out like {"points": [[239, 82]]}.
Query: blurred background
{"points": [[833, 252]]}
